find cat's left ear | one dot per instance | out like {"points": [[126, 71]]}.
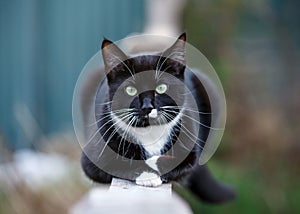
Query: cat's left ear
{"points": [[112, 55], [177, 51]]}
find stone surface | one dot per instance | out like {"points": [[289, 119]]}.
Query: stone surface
{"points": [[127, 198]]}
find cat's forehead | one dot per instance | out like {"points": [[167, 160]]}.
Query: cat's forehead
{"points": [[148, 70], [145, 80], [144, 62]]}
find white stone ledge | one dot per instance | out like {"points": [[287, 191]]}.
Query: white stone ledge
{"points": [[128, 198]]}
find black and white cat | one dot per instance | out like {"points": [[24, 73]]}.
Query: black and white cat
{"points": [[153, 116]]}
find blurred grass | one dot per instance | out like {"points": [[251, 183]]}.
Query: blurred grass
{"points": [[259, 155], [257, 191], [17, 196], [55, 198]]}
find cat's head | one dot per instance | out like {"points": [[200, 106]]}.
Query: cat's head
{"points": [[145, 89]]}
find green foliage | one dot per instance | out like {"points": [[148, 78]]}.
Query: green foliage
{"points": [[257, 191]]}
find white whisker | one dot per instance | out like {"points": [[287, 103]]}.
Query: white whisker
{"points": [[206, 126], [189, 134], [175, 52], [124, 65], [111, 135], [185, 108], [101, 104], [126, 134], [161, 72], [156, 68], [107, 115]]}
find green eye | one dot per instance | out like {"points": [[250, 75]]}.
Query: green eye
{"points": [[131, 91], [162, 88]]}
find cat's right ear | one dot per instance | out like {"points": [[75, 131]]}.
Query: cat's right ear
{"points": [[112, 55]]}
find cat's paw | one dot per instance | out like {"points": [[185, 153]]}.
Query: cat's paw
{"points": [[148, 179]]}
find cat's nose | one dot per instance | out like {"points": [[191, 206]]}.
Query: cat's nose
{"points": [[147, 105]]}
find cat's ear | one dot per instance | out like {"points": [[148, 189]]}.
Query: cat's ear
{"points": [[112, 54], [177, 51]]}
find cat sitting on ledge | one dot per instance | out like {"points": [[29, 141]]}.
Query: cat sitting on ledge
{"points": [[154, 116]]}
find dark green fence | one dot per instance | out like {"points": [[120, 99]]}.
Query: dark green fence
{"points": [[43, 47]]}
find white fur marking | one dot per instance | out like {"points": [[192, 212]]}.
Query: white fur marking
{"points": [[153, 113], [148, 179], [152, 162]]}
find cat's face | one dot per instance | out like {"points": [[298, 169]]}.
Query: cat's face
{"points": [[148, 89]]}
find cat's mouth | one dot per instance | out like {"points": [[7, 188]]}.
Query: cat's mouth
{"points": [[155, 117], [153, 114], [148, 119]]}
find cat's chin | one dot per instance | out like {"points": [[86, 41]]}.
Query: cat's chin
{"points": [[148, 121], [144, 122]]}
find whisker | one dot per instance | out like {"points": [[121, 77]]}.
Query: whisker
{"points": [[175, 52], [101, 104], [161, 72], [116, 111], [121, 138], [179, 140], [191, 134], [184, 108], [206, 126], [111, 135], [126, 134], [107, 115], [121, 119], [156, 67], [97, 131], [188, 134], [163, 118], [189, 92], [97, 121], [124, 65]]}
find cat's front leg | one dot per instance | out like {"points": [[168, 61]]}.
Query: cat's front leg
{"points": [[150, 178], [157, 164], [171, 168]]}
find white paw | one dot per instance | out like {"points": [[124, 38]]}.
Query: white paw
{"points": [[152, 162], [148, 179]]}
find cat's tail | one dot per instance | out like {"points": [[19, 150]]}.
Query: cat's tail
{"points": [[205, 187]]}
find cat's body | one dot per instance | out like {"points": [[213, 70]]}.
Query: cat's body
{"points": [[151, 129]]}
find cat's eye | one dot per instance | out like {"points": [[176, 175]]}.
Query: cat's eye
{"points": [[131, 91], [162, 88]]}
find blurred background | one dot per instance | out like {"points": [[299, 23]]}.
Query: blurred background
{"points": [[253, 45]]}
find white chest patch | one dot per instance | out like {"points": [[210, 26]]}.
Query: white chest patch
{"points": [[152, 138]]}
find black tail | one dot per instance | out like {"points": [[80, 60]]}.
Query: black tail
{"points": [[203, 185]]}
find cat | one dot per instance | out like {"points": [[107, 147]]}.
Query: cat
{"points": [[151, 130]]}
